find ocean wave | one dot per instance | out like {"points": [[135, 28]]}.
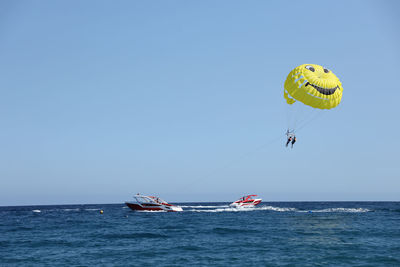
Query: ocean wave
{"points": [[36, 211], [229, 230], [151, 211], [188, 248], [134, 236]]}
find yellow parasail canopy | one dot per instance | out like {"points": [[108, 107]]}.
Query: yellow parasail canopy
{"points": [[314, 86]]}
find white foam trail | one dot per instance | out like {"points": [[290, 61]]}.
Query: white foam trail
{"points": [[223, 210], [36, 211], [205, 207], [276, 208], [238, 209], [351, 210], [227, 209], [92, 209], [268, 208], [77, 209]]}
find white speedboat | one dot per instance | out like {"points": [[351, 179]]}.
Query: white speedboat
{"points": [[150, 203], [246, 201]]}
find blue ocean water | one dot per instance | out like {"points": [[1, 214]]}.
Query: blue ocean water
{"points": [[204, 234]]}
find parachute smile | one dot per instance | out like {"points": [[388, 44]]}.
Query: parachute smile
{"points": [[324, 91]]}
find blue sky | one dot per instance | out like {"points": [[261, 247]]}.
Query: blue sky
{"points": [[184, 99]]}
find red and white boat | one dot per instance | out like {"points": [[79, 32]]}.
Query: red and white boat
{"points": [[246, 201], [150, 203]]}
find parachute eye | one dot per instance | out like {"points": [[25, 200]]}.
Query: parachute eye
{"points": [[326, 70], [310, 68]]}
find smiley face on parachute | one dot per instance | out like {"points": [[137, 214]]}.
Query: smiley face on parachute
{"points": [[314, 86]]}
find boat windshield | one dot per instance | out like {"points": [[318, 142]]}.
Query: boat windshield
{"points": [[149, 199], [248, 197], [144, 199], [159, 200]]}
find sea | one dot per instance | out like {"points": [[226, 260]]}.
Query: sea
{"points": [[204, 234]]}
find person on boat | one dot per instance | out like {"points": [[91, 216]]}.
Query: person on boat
{"points": [[293, 141], [288, 141]]}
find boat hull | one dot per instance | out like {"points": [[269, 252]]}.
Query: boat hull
{"points": [[152, 207], [246, 204]]}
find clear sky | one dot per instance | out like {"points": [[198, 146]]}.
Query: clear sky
{"points": [[100, 100]]}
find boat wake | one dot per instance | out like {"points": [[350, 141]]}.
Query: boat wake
{"points": [[205, 207], [349, 210], [223, 210], [226, 208]]}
